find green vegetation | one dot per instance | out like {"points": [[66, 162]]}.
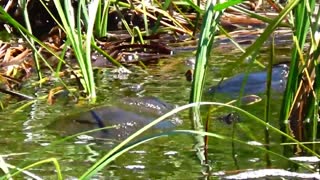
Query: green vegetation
{"points": [[74, 35], [301, 100], [88, 22]]}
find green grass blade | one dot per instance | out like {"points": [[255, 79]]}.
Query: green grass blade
{"points": [[50, 160], [101, 22], [208, 30], [224, 5], [73, 32], [104, 160], [254, 48], [301, 25], [93, 6]]}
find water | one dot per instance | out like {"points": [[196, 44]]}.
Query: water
{"points": [[168, 157]]}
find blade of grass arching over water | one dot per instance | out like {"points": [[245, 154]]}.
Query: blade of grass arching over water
{"points": [[54, 161], [101, 163], [193, 133], [54, 144], [208, 30]]}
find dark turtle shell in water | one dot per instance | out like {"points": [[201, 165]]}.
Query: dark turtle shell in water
{"points": [[255, 82], [128, 116]]}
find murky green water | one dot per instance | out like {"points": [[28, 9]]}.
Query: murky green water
{"points": [[165, 158]]}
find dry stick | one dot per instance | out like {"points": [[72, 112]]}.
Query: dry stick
{"points": [[17, 94]]}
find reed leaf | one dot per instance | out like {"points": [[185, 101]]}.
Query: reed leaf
{"points": [[301, 25], [254, 48], [73, 32], [208, 30], [50, 160]]}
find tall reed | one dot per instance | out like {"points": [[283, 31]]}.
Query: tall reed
{"points": [[301, 102], [72, 26], [208, 29]]}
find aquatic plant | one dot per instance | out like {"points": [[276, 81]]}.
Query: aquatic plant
{"points": [[207, 34], [301, 102], [74, 36]]}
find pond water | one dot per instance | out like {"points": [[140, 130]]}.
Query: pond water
{"points": [[25, 137]]}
